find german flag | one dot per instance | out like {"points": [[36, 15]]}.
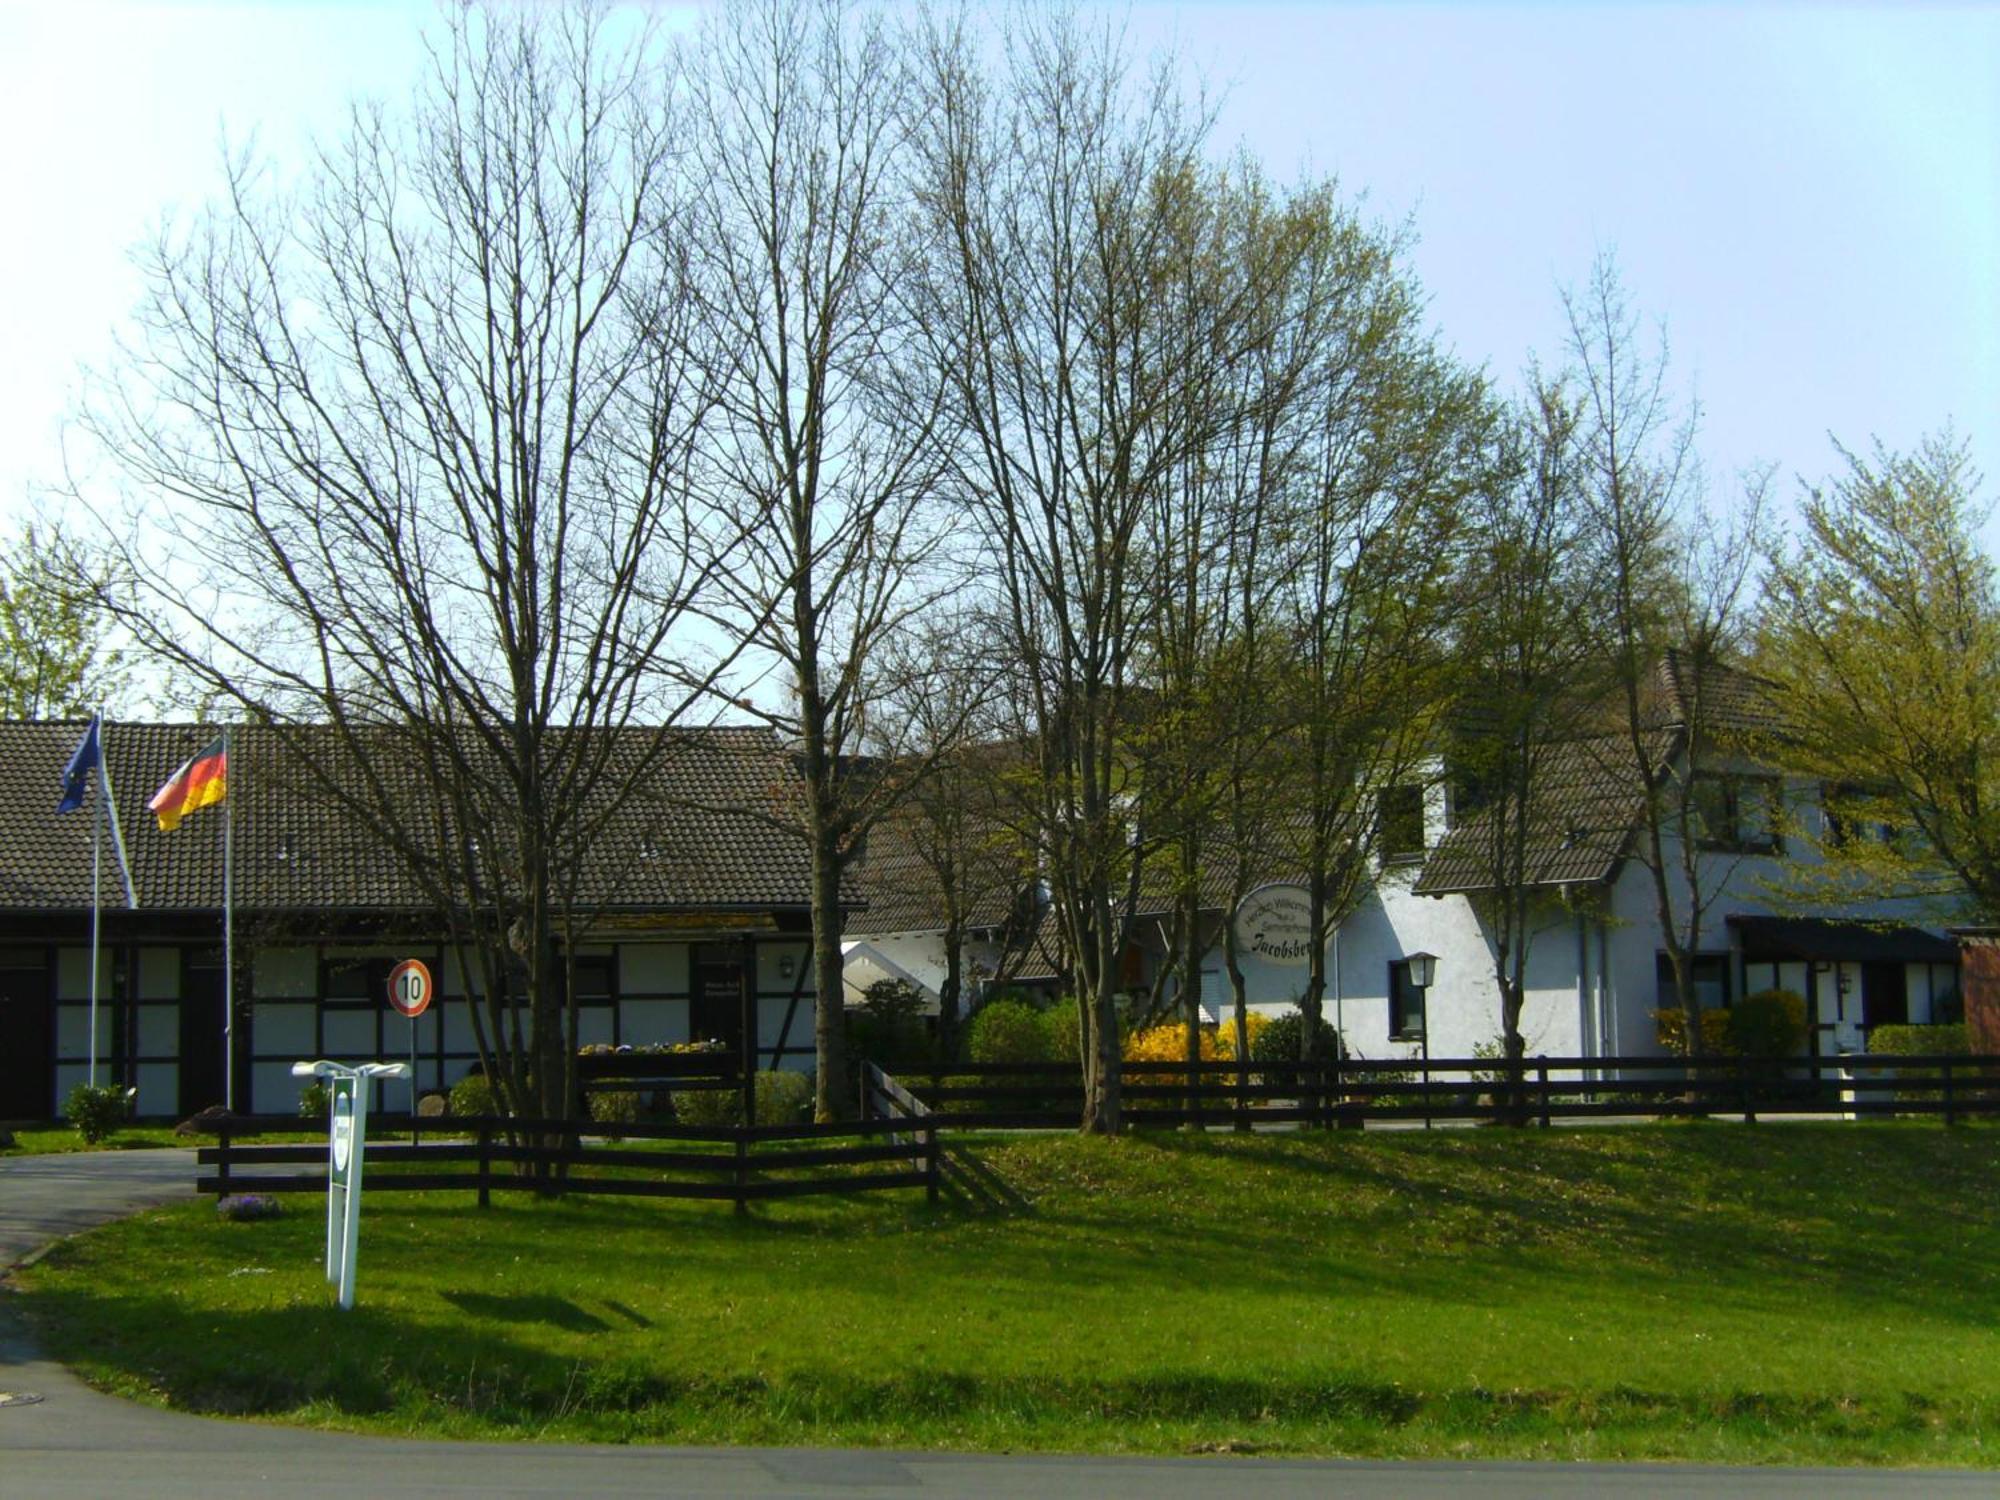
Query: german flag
{"points": [[202, 781]]}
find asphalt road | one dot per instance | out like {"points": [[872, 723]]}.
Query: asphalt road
{"points": [[77, 1443]]}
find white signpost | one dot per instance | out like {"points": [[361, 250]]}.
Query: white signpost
{"points": [[347, 1137]]}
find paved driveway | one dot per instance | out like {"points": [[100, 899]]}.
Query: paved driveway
{"points": [[78, 1445]]}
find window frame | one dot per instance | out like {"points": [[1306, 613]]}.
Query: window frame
{"points": [[1402, 996], [1387, 818], [1734, 790]]}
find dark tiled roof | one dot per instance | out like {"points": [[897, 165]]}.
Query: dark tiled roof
{"points": [[710, 832], [1731, 701], [1587, 798], [902, 887]]}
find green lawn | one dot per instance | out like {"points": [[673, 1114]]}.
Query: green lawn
{"points": [[45, 1139], [1795, 1293]]}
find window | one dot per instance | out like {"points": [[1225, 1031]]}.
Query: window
{"points": [[1853, 815], [1738, 814], [1406, 1005], [1399, 813], [1467, 792], [1711, 981]]}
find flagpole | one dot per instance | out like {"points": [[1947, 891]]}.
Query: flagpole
{"points": [[117, 828], [96, 897], [228, 926]]}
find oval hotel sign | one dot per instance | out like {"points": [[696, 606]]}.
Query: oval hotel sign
{"points": [[1274, 922]]}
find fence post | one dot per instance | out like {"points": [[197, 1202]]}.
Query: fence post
{"points": [[222, 1161], [742, 1170], [485, 1163], [1950, 1104], [1542, 1083], [932, 1166]]}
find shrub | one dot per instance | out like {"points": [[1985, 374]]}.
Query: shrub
{"points": [[781, 1099], [888, 1028], [1948, 1040], [315, 1101], [98, 1110], [1010, 1031], [1770, 1023], [1168, 1043], [473, 1095], [246, 1208], [784, 1098], [1278, 1040], [1670, 1026], [612, 1108], [708, 1106], [1063, 1023]]}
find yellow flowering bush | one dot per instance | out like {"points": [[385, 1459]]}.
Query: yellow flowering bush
{"points": [[1168, 1043]]}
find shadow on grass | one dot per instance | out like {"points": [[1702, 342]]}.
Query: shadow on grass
{"points": [[248, 1363], [557, 1312]]}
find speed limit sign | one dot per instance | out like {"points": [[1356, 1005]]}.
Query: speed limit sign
{"points": [[410, 987]]}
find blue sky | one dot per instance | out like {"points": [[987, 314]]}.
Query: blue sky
{"points": [[1807, 195]]}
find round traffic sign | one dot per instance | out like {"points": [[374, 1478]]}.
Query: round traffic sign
{"points": [[410, 987]]}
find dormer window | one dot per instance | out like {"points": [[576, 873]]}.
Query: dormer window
{"points": [[1399, 816]]}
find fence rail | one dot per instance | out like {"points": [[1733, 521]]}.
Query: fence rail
{"points": [[735, 1163], [1352, 1092]]}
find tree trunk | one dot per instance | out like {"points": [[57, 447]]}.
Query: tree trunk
{"points": [[950, 991], [832, 1097]]}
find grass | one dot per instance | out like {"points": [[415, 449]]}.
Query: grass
{"points": [[1796, 1294], [50, 1139]]}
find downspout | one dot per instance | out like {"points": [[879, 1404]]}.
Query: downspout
{"points": [[1589, 1040], [1607, 1012], [1339, 1021]]}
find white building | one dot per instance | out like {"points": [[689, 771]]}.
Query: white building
{"points": [[1597, 968]]}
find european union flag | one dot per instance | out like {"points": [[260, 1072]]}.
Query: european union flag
{"points": [[77, 776]]}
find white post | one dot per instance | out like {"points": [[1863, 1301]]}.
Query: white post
{"points": [[111, 809], [96, 899], [230, 789], [347, 1137]]}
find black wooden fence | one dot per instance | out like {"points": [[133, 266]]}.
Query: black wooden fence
{"points": [[1353, 1092], [738, 1163]]}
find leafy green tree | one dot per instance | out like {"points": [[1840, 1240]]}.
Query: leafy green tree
{"points": [[1883, 637], [55, 659], [1530, 668]]}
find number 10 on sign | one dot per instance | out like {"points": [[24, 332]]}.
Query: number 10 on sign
{"points": [[410, 991]]}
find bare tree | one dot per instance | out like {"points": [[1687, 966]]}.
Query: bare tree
{"points": [[406, 463], [1679, 584], [952, 818], [825, 443], [1067, 204]]}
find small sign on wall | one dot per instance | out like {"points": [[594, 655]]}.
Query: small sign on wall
{"points": [[1274, 923]]}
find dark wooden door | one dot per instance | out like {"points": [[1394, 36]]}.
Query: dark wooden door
{"points": [[27, 1051], [1885, 994], [717, 1011], [201, 1034]]}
